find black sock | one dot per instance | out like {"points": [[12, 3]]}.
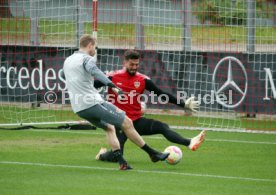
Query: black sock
{"points": [[119, 157], [176, 138], [164, 129], [108, 156], [149, 150]]}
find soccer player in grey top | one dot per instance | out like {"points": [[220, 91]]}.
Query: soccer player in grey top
{"points": [[79, 70]]}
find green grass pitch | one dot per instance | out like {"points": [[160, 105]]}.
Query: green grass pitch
{"points": [[17, 114], [59, 31], [62, 162]]}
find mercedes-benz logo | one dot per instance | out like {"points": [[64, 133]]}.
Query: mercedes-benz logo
{"points": [[230, 82]]}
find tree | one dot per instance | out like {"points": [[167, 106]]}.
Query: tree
{"points": [[220, 12], [232, 12], [5, 11]]}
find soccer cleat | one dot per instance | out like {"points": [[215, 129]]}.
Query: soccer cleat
{"points": [[124, 167], [159, 156], [102, 150], [197, 141]]}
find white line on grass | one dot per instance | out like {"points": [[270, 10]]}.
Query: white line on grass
{"points": [[241, 141], [157, 137], [139, 171]]}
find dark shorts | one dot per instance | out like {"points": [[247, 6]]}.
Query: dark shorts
{"points": [[103, 114], [144, 126]]}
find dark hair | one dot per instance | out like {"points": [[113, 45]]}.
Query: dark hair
{"points": [[86, 39], [131, 54]]}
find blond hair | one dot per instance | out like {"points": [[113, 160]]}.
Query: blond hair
{"points": [[86, 39]]}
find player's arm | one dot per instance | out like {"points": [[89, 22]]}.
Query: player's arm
{"points": [[99, 84], [150, 86], [189, 104], [91, 67]]}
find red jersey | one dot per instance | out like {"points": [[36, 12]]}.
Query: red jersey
{"points": [[130, 84]]}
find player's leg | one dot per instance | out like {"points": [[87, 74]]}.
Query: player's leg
{"points": [[115, 145], [150, 127], [107, 155], [124, 123], [172, 136], [141, 125], [132, 134], [111, 138], [122, 139], [91, 115]]}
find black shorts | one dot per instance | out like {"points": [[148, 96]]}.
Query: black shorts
{"points": [[145, 126]]}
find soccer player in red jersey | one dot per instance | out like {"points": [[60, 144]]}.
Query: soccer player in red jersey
{"points": [[134, 84]]}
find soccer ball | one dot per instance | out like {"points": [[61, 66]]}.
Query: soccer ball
{"points": [[175, 155]]}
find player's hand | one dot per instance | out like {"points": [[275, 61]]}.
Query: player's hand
{"points": [[118, 91], [191, 104]]}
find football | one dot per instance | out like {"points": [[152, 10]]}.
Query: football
{"points": [[175, 155]]}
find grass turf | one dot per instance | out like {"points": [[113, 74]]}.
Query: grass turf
{"points": [[53, 32], [15, 114], [63, 162]]}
